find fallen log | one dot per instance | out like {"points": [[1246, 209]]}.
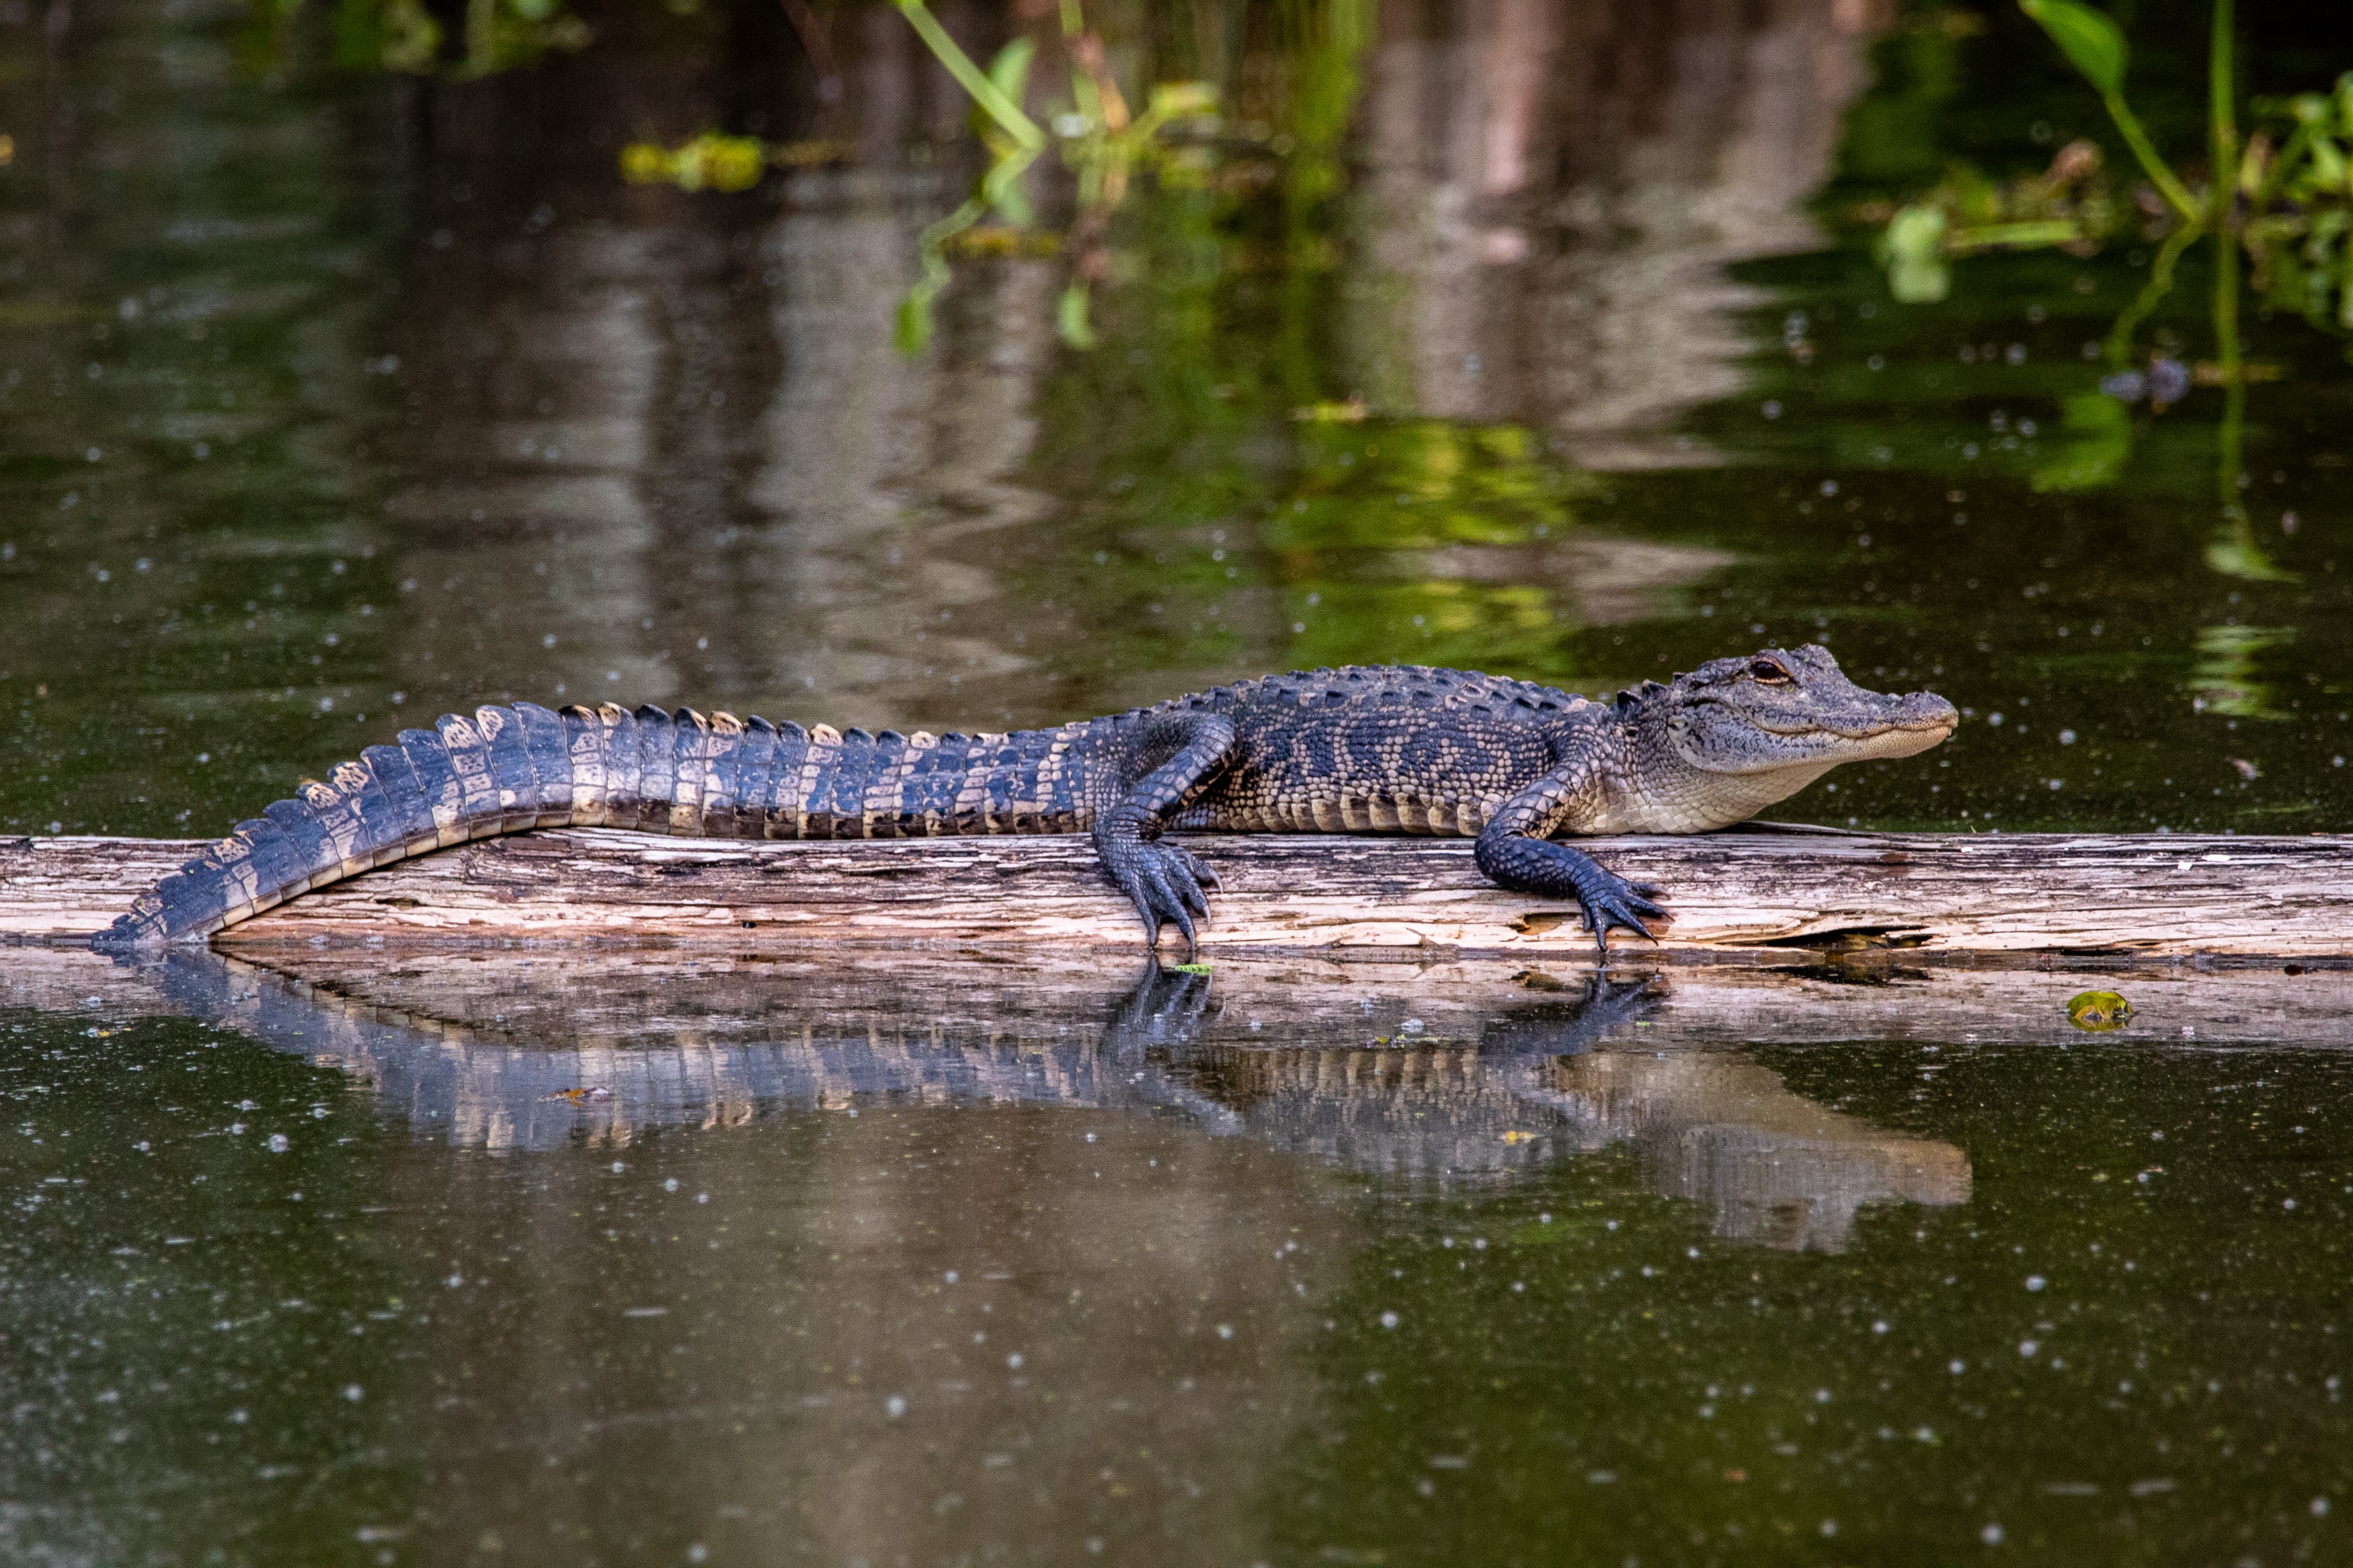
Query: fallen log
{"points": [[1757, 892]]}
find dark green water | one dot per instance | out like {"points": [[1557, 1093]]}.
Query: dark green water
{"points": [[328, 402]]}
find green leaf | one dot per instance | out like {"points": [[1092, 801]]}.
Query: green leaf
{"points": [[1912, 248], [2087, 38], [1071, 318], [1009, 71], [913, 330]]}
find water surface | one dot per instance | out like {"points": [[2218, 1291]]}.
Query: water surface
{"points": [[1544, 344]]}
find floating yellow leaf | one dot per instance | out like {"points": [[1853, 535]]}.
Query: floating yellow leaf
{"points": [[2098, 1011], [710, 162]]}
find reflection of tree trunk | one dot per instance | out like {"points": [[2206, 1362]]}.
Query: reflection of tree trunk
{"points": [[1085, 1338], [875, 467], [525, 518], [1554, 192]]}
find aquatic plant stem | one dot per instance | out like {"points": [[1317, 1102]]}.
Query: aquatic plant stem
{"points": [[972, 78], [2177, 194], [2222, 115], [2159, 284]]}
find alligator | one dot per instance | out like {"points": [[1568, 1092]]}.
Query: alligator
{"points": [[1391, 749]]}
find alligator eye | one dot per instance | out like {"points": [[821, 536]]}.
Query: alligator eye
{"points": [[1766, 671]]}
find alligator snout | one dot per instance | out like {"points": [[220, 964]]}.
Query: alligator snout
{"points": [[1926, 710]]}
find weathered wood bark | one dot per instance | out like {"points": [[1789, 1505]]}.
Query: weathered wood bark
{"points": [[2104, 898]]}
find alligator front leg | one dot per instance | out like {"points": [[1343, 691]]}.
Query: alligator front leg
{"points": [[1173, 757], [1515, 852]]}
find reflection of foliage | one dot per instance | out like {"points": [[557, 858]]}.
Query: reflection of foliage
{"points": [[1507, 627], [1101, 142], [2224, 679], [2095, 437], [710, 162], [403, 34], [1409, 484]]}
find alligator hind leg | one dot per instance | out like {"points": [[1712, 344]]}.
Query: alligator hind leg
{"points": [[1170, 759], [1514, 852]]}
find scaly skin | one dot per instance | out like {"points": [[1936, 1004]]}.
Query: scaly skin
{"points": [[1395, 749]]}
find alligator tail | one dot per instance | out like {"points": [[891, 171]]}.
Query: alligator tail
{"points": [[499, 769]]}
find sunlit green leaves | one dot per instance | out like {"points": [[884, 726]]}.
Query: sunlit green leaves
{"points": [[2092, 43], [1912, 249]]}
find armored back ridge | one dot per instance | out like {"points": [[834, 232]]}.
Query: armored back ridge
{"points": [[1399, 749]]}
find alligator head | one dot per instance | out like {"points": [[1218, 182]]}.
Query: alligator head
{"points": [[1734, 735]]}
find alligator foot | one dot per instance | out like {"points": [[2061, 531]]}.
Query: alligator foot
{"points": [[1165, 883], [1541, 866]]}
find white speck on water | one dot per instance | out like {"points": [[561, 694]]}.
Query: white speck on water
{"points": [[1879, 1327], [1388, 1320], [950, 1277], [1014, 1360], [619, 1167], [1991, 1535], [645, 1312], [1821, 1396], [1225, 1331], [277, 1144], [895, 1406], [2036, 1281], [1829, 1526], [1090, 1137], [669, 1184], [2027, 1347], [454, 1280], [355, 1393]]}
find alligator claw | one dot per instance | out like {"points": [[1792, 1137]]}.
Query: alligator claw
{"points": [[1541, 866], [1165, 883], [1607, 906]]}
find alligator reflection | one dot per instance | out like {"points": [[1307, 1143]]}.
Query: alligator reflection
{"points": [[1386, 1074]]}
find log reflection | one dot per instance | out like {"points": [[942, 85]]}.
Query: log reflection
{"points": [[1386, 1075]]}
